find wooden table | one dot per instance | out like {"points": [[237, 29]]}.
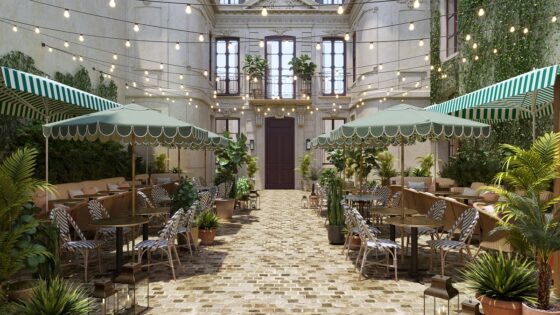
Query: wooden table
{"points": [[444, 193], [413, 223], [362, 199], [119, 224], [391, 212], [90, 196], [68, 201], [150, 212]]}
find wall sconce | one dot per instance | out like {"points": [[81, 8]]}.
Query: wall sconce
{"points": [[252, 144], [307, 144]]}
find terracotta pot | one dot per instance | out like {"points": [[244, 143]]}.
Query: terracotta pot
{"points": [[355, 242], [313, 201], [224, 208], [22, 290], [528, 310], [207, 236], [499, 307]]}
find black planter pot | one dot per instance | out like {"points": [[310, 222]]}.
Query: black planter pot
{"points": [[336, 237]]}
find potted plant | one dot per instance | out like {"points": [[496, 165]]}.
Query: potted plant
{"points": [[255, 68], [533, 226], [230, 159], [56, 297], [335, 211], [17, 223], [304, 69], [184, 197], [314, 174], [501, 282], [207, 223], [304, 165], [386, 169], [242, 189], [252, 168]]}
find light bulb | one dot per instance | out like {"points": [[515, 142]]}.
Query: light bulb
{"points": [[464, 60], [553, 19], [37, 30], [146, 72], [127, 43], [468, 37], [188, 9], [136, 27], [81, 58], [512, 29], [264, 11], [126, 85], [475, 46], [112, 3], [50, 49], [134, 84], [14, 28], [205, 73], [340, 10], [81, 38], [426, 57], [177, 46], [398, 73], [370, 45], [181, 77], [476, 57], [115, 57], [261, 43], [161, 66], [201, 37], [295, 77], [346, 37], [66, 13], [416, 4], [495, 51], [421, 43], [74, 58], [525, 30], [363, 77], [411, 26], [66, 44], [380, 66], [318, 46], [481, 12]]}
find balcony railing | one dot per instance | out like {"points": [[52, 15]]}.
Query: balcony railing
{"points": [[284, 87]]}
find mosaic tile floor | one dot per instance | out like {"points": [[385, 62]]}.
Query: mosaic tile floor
{"points": [[277, 260]]}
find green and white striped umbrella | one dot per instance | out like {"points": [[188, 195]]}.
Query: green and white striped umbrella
{"points": [[325, 141], [213, 142], [31, 96], [527, 95]]}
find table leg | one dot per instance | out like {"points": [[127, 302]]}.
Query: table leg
{"points": [[392, 232], [119, 255], [145, 229], [413, 272]]}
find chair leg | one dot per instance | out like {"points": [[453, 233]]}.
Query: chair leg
{"points": [[86, 252], [177, 255], [170, 258], [432, 250], [363, 263], [442, 262], [189, 243], [395, 255]]}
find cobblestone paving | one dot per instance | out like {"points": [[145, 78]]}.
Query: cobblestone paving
{"points": [[277, 260]]}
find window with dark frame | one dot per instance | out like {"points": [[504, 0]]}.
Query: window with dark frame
{"points": [[334, 66], [331, 1], [232, 1], [280, 79], [328, 126], [229, 125], [451, 27], [227, 66], [210, 57]]}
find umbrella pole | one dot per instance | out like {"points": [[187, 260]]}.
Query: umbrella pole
{"points": [[402, 177], [179, 158], [147, 159], [435, 163], [133, 162]]}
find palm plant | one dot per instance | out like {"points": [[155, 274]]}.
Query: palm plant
{"points": [[17, 224], [386, 169], [426, 163], [56, 297], [532, 224], [255, 66], [303, 66]]}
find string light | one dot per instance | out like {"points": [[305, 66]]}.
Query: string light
{"points": [[416, 4], [525, 30], [261, 43], [370, 45], [127, 43], [398, 73], [81, 58], [318, 46], [476, 57], [188, 9], [426, 58], [50, 49], [495, 50], [205, 73], [161, 66], [468, 37], [134, 84], [177, 46], [81, 38], [464, 60], [475, 46], [411, 26], [201, 37], [66, 44], [481, 12], [14, 29], [146, 72], [136, 27], [340, 10], [553, 19], [346, 37], [421, 43], [380, 66], [512, 29], [180, 77], [112, 3], [37, 30], [66, 13], [264, 11], [74, 58], [115, 57]]}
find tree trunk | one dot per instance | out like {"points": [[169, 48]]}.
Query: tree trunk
{"points": [[545, 274]]}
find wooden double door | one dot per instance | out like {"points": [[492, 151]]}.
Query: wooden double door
{"points": [[279, 153]]}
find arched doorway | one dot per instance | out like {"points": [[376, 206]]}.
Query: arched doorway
{"points": [[279, 153]]}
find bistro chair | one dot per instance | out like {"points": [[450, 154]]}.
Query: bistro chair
{"points": [[160, 196], [351, 220], [97, 212], [63, 221], [371, 243], [165, 243], [224, 190], [156, 220], [436, 212], [143, 201], [465, 224], [185, 227]]}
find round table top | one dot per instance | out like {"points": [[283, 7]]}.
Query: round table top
{"points": [[120, 222], [362, 197], [152, 211], [99, 194], [393, 211], [414, 222]]}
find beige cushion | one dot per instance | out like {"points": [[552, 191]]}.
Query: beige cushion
{"points": [[90, 190], [113, 187], [74, 192]]}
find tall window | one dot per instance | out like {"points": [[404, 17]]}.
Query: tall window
{"points": [[334, 66], [227, 66], [230, 125], [451, 26], [328, 126], [280, 79]]}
